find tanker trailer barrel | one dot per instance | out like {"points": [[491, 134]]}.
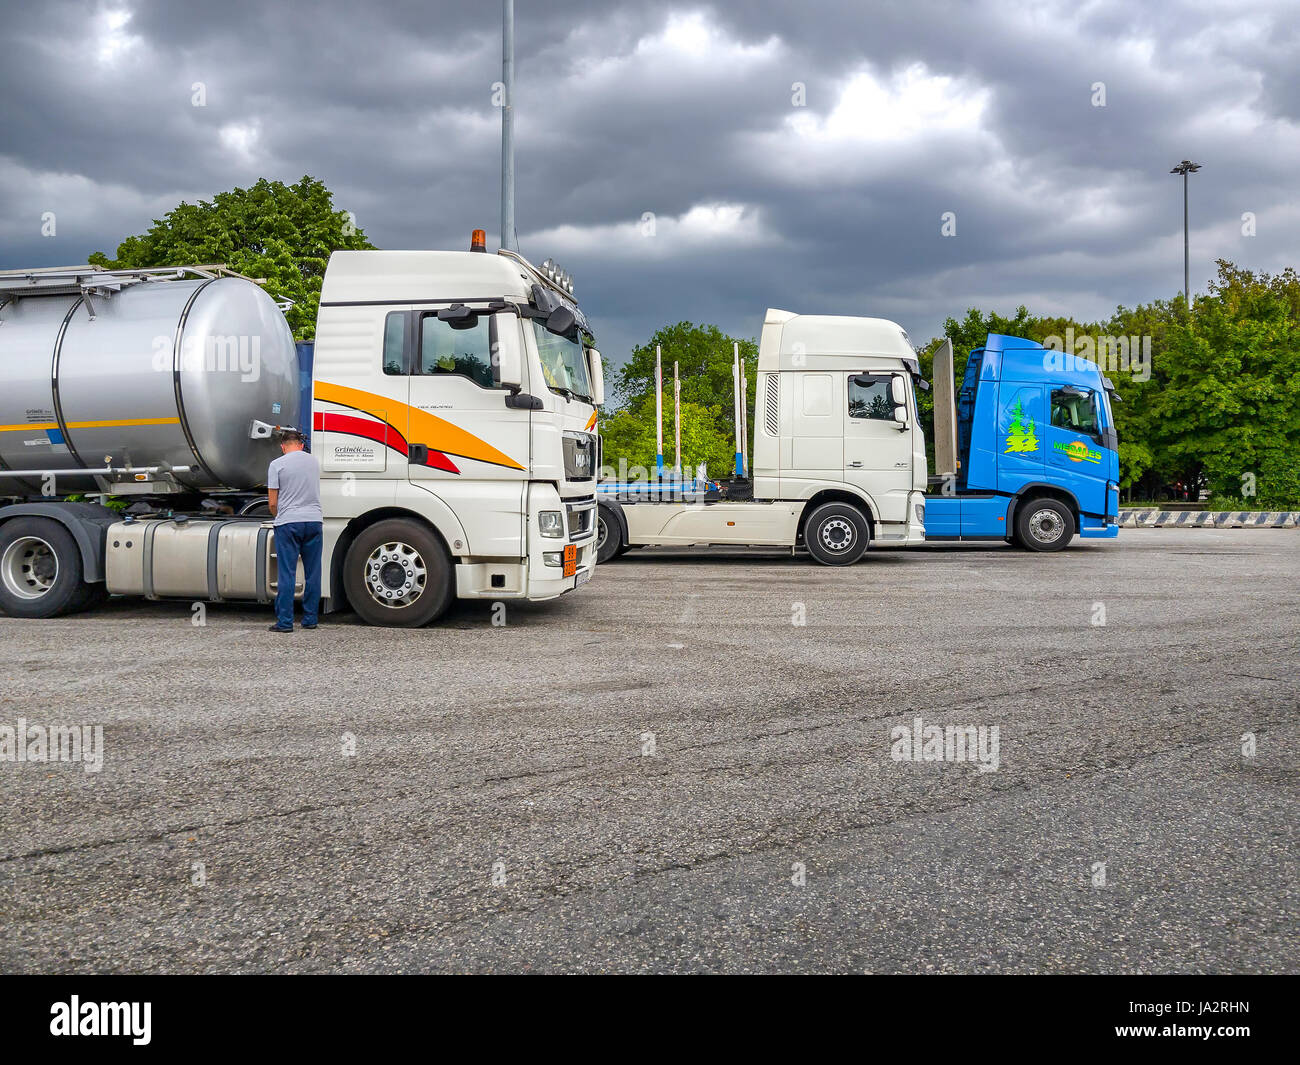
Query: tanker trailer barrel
{"points": [[141, 371]]}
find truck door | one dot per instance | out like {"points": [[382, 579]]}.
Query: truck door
{"points": [[1075, 455], [816, 433], [465, 444], [1020, 441], [878, 448]]}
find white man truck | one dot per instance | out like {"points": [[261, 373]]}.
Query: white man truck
{"points": [[451, 405], [1026, 451]]}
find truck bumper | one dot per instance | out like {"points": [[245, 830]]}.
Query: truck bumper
{"points": [[519, 580], [909, 534], [1091, 528], [541, 574]]}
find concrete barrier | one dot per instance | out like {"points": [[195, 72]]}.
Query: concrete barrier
{"points": [[1209, 519]]}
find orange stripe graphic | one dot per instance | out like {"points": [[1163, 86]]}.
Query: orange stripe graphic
{"points": [[119, 423], [435, 433], [592, 424]]}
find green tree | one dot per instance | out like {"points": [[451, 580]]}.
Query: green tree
{"points": [[629, 440], [283, 233], [704, 357], [1228, 404]]}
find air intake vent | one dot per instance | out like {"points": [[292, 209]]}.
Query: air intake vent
{"points": [[772, 414]]}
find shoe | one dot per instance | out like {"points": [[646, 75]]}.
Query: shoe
{"points": [[276, 628], [306, 626]]}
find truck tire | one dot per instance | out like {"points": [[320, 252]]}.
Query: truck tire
{"points": [[1043, 524], [609, 536], [40, 570], [397, 573], [836, 534]]}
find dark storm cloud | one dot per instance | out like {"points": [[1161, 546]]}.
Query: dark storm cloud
{"points": [[684, 112]]}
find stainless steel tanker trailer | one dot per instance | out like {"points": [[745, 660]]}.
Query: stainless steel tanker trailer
{"points": [[158, 388], [451, 405]]}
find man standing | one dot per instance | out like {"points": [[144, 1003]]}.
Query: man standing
{"points": [[293, 483]]}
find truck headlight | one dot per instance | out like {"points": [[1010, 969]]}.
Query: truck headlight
{"points": [[920, 513], [552, 558], [551, 522]]}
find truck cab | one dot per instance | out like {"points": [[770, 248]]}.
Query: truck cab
{"points": [[456, 390], [1028, 452], [839, 452]]}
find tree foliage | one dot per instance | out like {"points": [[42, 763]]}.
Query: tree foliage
{"points": [[704, 355], [629, 440], [283, 233]]}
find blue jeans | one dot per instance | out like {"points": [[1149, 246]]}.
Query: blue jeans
{"points": [[292, 539]]}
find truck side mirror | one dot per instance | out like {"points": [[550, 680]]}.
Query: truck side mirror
{"points": [[898, 392], [507, 354], [560, 320], [596, 371], [458, 316]]}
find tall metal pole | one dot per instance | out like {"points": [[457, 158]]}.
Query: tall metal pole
{"points": [[677, 416], [739, 468], [1186, 168], [508, 127], [659, 413], [1187, 255], [744, 416]]}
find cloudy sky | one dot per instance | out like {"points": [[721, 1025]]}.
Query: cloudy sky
{"points": [[690, 160]]}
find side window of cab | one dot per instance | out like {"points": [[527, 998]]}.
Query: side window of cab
{"points": [[1075, 409]]}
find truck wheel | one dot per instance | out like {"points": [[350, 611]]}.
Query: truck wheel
{"points": [[609, 536], [397, 573], [40, 570], [1043, 525], [836, 534]]}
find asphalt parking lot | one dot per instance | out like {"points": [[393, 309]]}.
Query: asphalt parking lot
{"points": [[665, 771]]}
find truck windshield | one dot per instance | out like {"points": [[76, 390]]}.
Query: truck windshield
{"points": [[563, 363]]}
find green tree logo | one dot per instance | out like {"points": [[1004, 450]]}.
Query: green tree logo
{"points": [[1020, 433]]}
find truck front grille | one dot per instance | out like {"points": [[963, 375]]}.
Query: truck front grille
{"points": [[579, 456]]}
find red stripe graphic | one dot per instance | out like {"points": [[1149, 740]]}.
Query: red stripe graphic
{"points": [[381, 433]]}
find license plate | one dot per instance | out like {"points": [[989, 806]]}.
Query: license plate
{"points": [[583, 578], [570, 560]]}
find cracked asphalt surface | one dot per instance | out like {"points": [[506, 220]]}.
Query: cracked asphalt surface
{"points": [[514, 754]]}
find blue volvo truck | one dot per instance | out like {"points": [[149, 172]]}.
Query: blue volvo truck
{"points": [[1026, 451]]}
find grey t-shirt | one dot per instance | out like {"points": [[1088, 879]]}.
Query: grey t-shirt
{"points": [[296, 476]]}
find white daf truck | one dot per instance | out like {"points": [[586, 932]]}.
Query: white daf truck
{"points": [[451, 404], [839, 453]]}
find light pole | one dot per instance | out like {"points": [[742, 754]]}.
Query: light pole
{"points": [[1186, 167], [508, 125]]}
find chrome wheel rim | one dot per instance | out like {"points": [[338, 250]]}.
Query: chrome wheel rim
{"points": [[602, 533], [837, 534], [29, 568], [395, 574], [1046, 526]]}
